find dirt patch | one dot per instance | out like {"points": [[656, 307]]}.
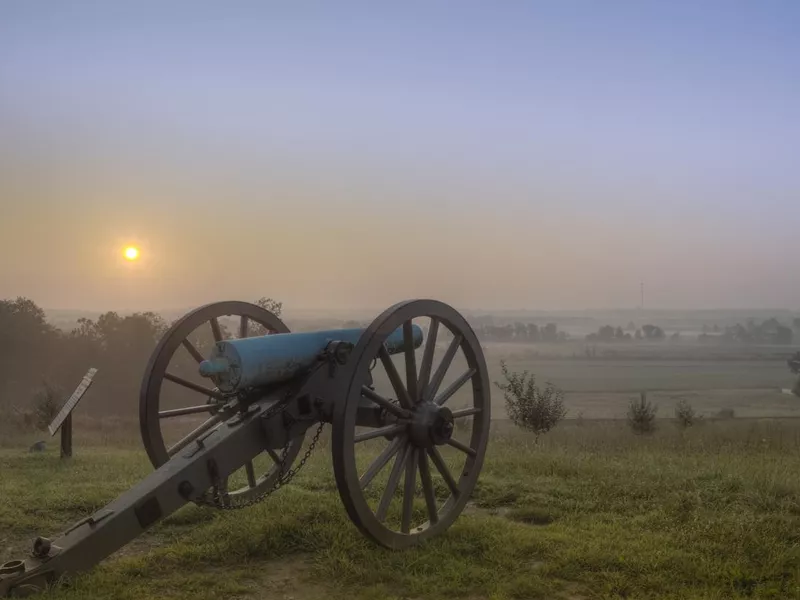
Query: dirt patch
{"points": [[288, 579], [137, 547]]}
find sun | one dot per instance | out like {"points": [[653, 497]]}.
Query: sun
{"points": [[131, 253]]}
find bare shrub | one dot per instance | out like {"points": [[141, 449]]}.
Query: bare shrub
{"points": [[642, 415], [529, 406], [685, 415]]}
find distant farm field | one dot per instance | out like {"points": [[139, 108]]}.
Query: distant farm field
{"points": [[711, 379], [602, 387]]}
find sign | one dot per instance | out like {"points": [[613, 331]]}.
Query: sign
{"points": [[70, 404]]}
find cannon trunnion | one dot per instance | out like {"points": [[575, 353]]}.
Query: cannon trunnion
{"points": [[224, 416]]}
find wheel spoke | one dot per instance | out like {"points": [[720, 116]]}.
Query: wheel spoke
{"points": [[427, 357], [454, 387], [193, 386], [243, 327], [379, 432], [193, 351], [463, 447], [391, 485], [394, 377], [189, 438], [440, 465], [215, 329], [251, 474], [465, 412], [427, 488], [411, 362], [189, 410], [274, 456], [384, 402], [380, 462], [447, 359], [409, 490]]}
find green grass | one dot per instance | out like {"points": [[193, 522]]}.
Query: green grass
{"points": [[592, 511]]}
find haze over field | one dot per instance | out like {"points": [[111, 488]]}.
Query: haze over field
{"points": [[529, 155]]}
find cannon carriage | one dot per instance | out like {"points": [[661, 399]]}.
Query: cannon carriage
{"points": [[394, 393]]}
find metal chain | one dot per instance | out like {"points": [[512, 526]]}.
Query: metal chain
{"points": [[283, 477]]}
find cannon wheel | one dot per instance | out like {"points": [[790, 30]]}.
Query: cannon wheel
{"points": [[156, 373], [424, 426]]}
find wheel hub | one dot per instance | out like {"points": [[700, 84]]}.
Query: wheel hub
{"points": [[431, 425]]}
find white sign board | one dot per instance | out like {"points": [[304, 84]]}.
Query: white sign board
{"points": [[70, 404]]}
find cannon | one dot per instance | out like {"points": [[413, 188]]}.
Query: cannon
{"points": [[252, 397]]}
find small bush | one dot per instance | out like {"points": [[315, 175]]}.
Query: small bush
{"points": [[726, 413], [528, 406], [46, 404], [642, 415], [685, 415]]}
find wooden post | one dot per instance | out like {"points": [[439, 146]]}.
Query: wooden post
{"points": [[63, 419], [66, 437]]}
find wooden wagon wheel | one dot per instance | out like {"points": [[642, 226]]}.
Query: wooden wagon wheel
{"points": [[422, 426], [252, 320]]}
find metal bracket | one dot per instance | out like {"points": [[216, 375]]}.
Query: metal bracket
{"points": [[90, 520]]}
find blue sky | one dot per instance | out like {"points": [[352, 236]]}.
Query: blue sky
{"points": [[681, 119]]}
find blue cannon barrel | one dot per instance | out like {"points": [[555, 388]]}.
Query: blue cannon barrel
{"points": [[271, 359]]}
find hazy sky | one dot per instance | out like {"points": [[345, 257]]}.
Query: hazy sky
{"points": [[494, 154]]}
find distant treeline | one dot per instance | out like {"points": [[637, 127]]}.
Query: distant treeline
{"points": [[35, 354], [520, 332], [770, 331]]}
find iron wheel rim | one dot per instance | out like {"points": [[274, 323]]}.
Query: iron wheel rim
{"points": [[343, 436], [154, 378]]}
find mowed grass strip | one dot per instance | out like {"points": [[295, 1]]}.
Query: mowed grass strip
{"points": [[589, 512]]}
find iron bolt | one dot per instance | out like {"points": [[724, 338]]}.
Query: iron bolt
{"points": [[41, 547]]}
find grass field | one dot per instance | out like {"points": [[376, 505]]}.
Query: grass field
{"points": [[746, 380], [592, 511]]}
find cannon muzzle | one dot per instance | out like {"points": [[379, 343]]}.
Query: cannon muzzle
{"points": [[270, 359]]}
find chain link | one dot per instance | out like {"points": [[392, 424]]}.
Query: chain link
{"points": [[283, 477]]}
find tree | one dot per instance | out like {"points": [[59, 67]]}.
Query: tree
{"points": [[528, 406], [783, 335], [685, 414], [271, 305], [642, 415], [27, 347], [550, 332], [794, 367], [653, 332], [794, 363], [605, 333]]}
